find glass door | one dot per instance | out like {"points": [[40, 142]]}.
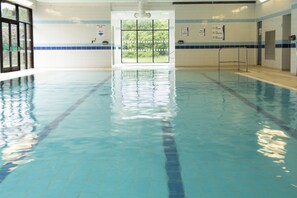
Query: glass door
{"points": [[16, 37], [23, 55], [29, 50], [10, 47], [6, 46], [14, 47]]}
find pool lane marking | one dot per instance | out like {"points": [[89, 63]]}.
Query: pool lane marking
{"points": [[291, 131], [7, 168], [172, 164], [55, 123]]}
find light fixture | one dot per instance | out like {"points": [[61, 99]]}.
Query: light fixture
{"points": [[240, 9], [262, 1], [141, 12], [25, 3], [53, 12], [218, 17]]}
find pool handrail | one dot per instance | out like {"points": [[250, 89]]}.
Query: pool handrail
{"points": [[234, 61]]}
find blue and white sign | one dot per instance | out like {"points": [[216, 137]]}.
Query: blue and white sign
{"points": [[101, 30]]}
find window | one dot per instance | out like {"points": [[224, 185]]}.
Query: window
{"points": [[24, 15], [8, 11], [145, 41]]}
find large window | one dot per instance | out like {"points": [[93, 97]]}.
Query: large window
{"points": [[145, 41]]}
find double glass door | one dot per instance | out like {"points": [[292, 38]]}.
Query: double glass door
{"points": [[10, 47], [16, 46]]}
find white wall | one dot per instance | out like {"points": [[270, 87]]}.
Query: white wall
{"points": [[240, 30], [272, 7], [75, 25], [271, 14], [71, 26]]}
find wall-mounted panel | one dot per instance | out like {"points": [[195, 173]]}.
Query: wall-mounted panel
{"points": [[270, 45]]}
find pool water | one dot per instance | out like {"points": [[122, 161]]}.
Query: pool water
{"points": [[146, 133]]}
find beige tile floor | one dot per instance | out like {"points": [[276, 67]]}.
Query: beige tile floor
{"points": [[269, 75], [273, 76]]}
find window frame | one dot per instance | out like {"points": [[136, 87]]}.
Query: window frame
{"points": [[17, 21], [152, 30]]}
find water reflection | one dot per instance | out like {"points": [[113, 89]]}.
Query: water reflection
{"points": [[280, 101], [18, 123], [148, 94], [273, 145]]}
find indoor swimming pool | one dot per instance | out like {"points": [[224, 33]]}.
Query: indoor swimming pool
{"points": [[146, 134]]}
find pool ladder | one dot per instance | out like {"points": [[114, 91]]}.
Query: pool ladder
{"points": [[238, 61]]}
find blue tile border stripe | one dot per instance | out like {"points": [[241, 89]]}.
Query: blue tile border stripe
{"points": [[283, 125], [106, 47], [69, 22], [185, 46], [214, 45], [177, 46], [215, 21], [7, 168], [218, 46], [172, 164]]}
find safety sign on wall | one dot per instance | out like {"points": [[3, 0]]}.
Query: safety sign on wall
{"points": [[202, 32], [101, 30], [185, 31], [218, 32]]}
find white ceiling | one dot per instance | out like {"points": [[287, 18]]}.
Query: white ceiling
{"points": [[122, 1]]}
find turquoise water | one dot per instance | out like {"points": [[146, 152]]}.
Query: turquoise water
{"points": [[146, 133]]}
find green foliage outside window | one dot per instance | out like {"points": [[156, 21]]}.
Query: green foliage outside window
{"points": [[8, 11], [145, 41]]}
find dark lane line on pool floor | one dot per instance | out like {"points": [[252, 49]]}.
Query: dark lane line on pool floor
{"points": [[291, 131], [172, 164], [9, 167]]}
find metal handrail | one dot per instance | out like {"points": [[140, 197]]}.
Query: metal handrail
{"points": [[296, 56], [234, 61]]}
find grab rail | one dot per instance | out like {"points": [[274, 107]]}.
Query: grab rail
{"points": [[234, 61]]}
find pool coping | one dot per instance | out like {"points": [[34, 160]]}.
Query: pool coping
{"points": [[17, 74], [266, 81]]}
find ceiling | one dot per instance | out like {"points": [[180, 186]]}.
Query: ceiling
{"points": [[123, 1]]}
